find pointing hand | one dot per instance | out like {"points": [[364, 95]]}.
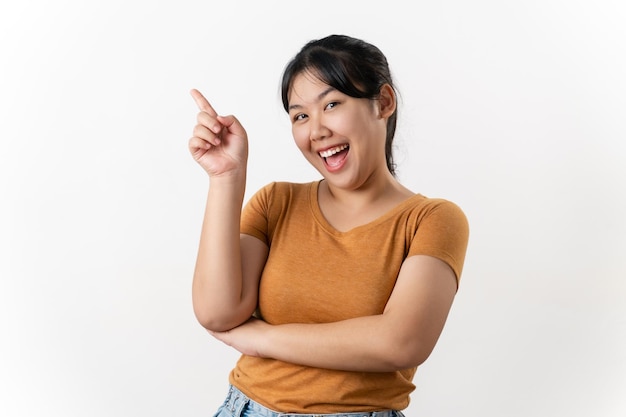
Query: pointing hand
{"points": [[219, 143]]}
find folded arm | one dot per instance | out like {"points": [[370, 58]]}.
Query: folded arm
{"points": [[403, 336]]}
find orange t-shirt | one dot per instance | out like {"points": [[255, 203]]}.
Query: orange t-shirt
{"points": [[317, 274]]}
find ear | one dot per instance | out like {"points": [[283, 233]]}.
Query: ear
{"points": [[386, 101]]}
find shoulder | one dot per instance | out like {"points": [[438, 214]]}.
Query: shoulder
{"points": [[421, 207], [440, 229], [284, 189], [279, 195], [292, 187], [438, 222], [274, 204]]}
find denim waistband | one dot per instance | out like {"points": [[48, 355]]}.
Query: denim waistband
{"points": [[237, 402]]}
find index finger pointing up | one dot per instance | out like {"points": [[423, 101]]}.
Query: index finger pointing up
{"points": [[202, 103]]}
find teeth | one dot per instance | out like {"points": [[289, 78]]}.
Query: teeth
{"points": [[332, 151]]}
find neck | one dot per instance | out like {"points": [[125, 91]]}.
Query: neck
{"points": [[345, 208], [381, 187]]}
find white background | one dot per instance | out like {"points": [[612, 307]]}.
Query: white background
{"points": [[514, 110]]}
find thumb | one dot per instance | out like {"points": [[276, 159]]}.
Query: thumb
{"points": [[232, 124]]}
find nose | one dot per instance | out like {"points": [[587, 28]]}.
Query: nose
{"points": [[318, 130]]}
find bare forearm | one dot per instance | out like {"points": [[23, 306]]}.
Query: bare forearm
{"points": [[365, 344], [218, 282], [402, 337]]}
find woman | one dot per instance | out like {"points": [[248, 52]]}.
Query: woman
{"points": [[336, 290]]}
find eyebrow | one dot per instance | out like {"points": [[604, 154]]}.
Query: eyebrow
{"points": [[320, 96]]}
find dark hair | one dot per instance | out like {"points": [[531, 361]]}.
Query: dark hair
{"points": [[352, 66]]}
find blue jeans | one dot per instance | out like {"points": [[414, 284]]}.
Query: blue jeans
{"points": [[237, 404]]}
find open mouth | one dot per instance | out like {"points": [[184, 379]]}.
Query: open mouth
{"points": [[334, 157]]}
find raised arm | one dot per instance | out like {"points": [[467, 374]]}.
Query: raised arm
{"points": [[228, 265], [400, 338]]}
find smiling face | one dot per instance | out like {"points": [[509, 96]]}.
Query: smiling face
{"points": [[341, 136]]}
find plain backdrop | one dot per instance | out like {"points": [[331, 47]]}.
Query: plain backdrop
{"points": [[513, 110]]}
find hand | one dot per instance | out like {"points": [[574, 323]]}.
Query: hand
{"points": [[219, 143], [246, 338]]}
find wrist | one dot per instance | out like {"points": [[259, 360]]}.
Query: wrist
{"points": [[235, 180], [264, 343]]}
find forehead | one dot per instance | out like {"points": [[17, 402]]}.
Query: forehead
{"points": [[307, 88]]}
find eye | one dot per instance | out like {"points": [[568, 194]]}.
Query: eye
{"points": [[299, 116], [332, 105]]}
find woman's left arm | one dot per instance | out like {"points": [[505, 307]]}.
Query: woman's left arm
{"points": [[402, 337]]}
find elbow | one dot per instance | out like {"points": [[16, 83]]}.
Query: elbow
{"points": [[215, 322], [407, 356], [221, 319]]}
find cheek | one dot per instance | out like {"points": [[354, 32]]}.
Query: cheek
{"points": [[300, 137], [349, 124]]}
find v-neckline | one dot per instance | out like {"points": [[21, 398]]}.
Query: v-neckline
{"points": [[321, 219]]}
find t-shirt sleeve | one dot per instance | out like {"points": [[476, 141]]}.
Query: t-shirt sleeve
{"points": [[443, 232], [255, 215]]}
